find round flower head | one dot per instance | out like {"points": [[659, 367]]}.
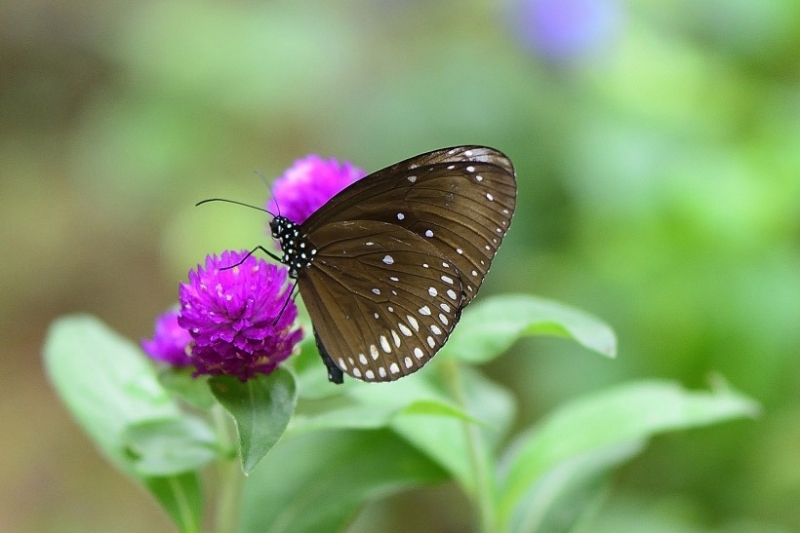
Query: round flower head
{"points": [[308, 184], [169, 341], [239, 318]]}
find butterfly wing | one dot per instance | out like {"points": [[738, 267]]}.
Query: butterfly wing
{"points": [[460, 200], [382, 299]]}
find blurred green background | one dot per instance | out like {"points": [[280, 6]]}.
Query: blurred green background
{"points": [[657, 146]]}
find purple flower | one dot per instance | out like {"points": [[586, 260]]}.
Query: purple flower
{"points": [[308, 184], [169, 341], [239, 317], [567, 29]]}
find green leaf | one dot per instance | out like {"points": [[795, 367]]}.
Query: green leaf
{"points": [[613, 417], [491, 326], [181, 496], [170, 446], [444, 439], [365, 416], [311, 374], [317, 482], [569, 492], [109, 385], [261, 408], [192, 390]]}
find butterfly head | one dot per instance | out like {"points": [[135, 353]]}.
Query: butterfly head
{"points": [[298, 254]]}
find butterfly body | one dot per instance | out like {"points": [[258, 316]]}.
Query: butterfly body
{"points": [[388, 264]]}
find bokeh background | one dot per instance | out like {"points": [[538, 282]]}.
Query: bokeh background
{"points": [[658, 152]]}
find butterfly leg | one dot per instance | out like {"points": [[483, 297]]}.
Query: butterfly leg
{"points": [[335, 374]]}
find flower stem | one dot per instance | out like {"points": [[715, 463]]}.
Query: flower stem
{"points": [[483, 489], [230, 475]]}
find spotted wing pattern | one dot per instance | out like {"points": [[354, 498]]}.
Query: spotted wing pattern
{"points": [[383, 301], [386, 266], [460, 199]]}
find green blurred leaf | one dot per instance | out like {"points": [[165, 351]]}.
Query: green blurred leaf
{"points": [[367, 416], [490, 327], [616, 416], [170, 446], [181, 496], [193, 390], [316, 482], [109, 385], [312, 376], [261, 408], [571, 491], [444, 439]]}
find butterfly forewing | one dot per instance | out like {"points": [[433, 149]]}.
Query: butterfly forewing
{"points": [[382, 299], [460, 200]]}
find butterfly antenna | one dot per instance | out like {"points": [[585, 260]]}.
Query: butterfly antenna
{"points": [[235, 202]]}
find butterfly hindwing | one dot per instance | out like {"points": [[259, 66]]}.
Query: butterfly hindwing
{"points": [[382, 299]]}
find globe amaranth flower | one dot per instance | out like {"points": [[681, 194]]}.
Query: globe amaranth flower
{"points": [[308, 184], [240, 318], [169, 342]]}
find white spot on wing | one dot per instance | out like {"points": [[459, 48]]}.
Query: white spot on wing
{"points": [[408, 362], [432, 291], [404, 329], [431, 342], [394, 369], [452, 294], [385, 344], [418, 353], [357, 372], [369, 374], [400, 216], [362, 358], [412, 179], [341, 364], [388, 259], [382, 371], [413, 322], [428, 233], [425, 310], [435, 329], [395, 338], [373, 351], [447, 279]]}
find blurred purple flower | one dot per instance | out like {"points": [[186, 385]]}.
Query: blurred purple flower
{"points": [[308, 184], [169, 341], [231, 315], [567, 29]]}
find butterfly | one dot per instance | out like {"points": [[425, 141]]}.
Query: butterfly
{"points": [[388, 264]]}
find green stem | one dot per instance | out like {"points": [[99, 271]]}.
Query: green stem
{"points": [[483, 491], [230, 475]]}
